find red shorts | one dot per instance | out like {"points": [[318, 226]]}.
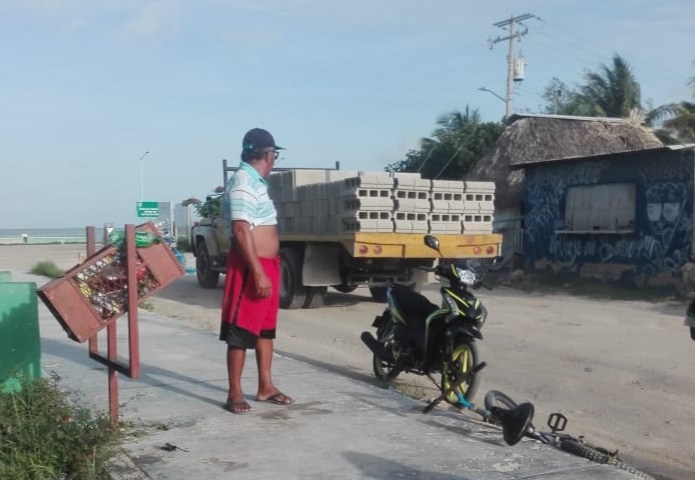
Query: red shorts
{"points": [[241, 308]]}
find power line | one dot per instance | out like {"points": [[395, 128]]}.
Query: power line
{"points": [[658, 68], [583, 61]]}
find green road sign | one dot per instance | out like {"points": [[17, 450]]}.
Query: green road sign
{"points": [[148, 209]]}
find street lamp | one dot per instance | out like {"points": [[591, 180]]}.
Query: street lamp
{"points": [[483, 89], [142, 188]]}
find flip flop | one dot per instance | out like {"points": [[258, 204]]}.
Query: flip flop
{"points": [[238, 408], [277, 398]]}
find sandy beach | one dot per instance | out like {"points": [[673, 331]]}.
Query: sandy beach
{"points": [[23, 257]]}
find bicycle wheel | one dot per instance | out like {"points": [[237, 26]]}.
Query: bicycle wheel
{"points": [[585, 451], [495, 398]]}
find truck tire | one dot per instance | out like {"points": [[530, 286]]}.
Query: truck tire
{"points": [[315, 297], [207, 277], [293, 294], [378, 294]]}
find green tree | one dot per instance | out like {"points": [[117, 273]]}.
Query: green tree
{"points": [[458, 142], [609, 92], [612, 92], [563, 100], [674, 123]]}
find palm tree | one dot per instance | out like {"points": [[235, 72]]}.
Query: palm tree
{"points": [[612, 92], [459, 141], [675, 122]]}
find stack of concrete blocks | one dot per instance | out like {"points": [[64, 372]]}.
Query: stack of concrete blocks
{"points": [[412, 203], [367, 203], [479, 207], [447, 206], [307, 200], [336, 202]]}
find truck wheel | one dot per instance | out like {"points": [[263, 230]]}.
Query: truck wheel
{"points": [[293, 294], [345, 288], [207, 277], [378, 294], [315, 297]]}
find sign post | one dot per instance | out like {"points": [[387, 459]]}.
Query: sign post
{"points": [[148, 209]]}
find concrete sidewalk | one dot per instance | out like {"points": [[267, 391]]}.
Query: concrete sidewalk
{"points": [[338, 428]]}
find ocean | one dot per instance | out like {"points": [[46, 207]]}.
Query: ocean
{"points": [[34, 236]]}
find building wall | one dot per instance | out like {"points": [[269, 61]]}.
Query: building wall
{"points": [[660, 240]]}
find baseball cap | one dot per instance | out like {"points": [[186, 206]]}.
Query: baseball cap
{"points": [[257, 138]]}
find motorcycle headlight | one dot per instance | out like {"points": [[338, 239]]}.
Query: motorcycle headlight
{"points": [[466, 276]]}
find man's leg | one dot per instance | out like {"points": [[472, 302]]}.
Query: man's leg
{"points": [[264, 360], [235, 366]]}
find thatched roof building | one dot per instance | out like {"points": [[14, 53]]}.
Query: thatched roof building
{"points": [[536, 138]]}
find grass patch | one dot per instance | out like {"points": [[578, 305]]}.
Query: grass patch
{"points": [[44, 433], [46, 268], [146, 305]]}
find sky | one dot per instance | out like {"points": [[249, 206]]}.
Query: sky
{"points": [[87, 87]]}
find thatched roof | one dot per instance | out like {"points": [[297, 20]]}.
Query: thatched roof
{"points": [[541, 138]]}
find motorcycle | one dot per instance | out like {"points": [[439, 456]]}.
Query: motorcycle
{"points": [[414, 335]]}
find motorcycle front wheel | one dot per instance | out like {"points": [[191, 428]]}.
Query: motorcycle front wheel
{"points": [[464, 357]]}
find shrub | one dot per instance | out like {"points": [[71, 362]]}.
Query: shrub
{"points": [[44, 433], [46, 268], [183, 244]]}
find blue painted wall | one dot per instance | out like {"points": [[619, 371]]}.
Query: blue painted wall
{"points": [[662, 237]]}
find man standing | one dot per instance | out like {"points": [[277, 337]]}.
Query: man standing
{"points": [[251, 292]]}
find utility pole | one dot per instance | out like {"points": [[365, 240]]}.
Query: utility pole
{"points": [[513, 35]]}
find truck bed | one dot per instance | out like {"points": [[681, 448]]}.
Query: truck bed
{"points": [[405, 245]]}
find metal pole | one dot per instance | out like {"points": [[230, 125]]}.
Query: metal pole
{"points": [[142, 187], [510, 70], [513, 34]]}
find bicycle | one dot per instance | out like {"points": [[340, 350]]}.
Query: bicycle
{"points": [[563, 441], [514, 421]]}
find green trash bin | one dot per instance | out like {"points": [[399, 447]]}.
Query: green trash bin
{"points": [[20, 341], [5, 276]]}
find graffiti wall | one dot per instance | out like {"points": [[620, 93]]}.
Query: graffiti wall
{"points": [[660, 241]]}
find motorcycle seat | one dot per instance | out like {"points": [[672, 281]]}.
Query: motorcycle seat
{"points": [[411, 303]]}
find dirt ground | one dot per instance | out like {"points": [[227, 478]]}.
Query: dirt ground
{"points": [[621, 371]]}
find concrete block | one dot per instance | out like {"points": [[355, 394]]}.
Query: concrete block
{"points": [[446, 186], [474, 187], [308, 177], [477, 223], [411, 182], [368, 203], [337, 175], [368, 222], [447, 202], [410, 222], [445, 223], [369, 180], [480, 202]]}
